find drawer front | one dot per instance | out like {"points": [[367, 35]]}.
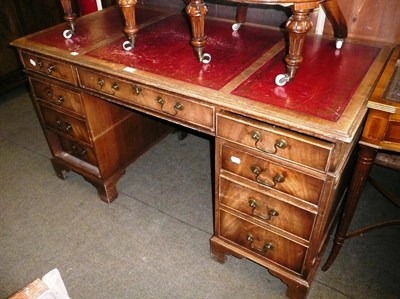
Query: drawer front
{"points": [[275, 141], [262, 242], [49, 67], [270, 174], [66, 124], [171, 106], [393, 131], [267, 209], [56, 95], [78, 150]]}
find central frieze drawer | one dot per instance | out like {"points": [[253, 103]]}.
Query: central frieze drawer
{"points": [[262, 242], [58, 96], [49, 67], [171, 106], [65, 124], [266, 208], [267, 173], [268, 139]]}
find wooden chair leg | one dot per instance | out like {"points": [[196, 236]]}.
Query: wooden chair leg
{"points": [[241, 13], [337, 20]]}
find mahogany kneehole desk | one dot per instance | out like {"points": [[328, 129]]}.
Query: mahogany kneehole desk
{"points": [[281, 153]]}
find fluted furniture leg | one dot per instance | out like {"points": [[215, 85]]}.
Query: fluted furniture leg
{"points": [[298, 25], [197, 10], [365, 159], [128, 8]]}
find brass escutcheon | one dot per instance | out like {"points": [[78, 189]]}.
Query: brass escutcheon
{"points": [[137, 90], [114, 87], [101, 83]]}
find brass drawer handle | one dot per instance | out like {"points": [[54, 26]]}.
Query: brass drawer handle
{"points": [[178, 106], [279, 143], [254, 206], [102, 83], [137, 90], [68, 127], [278, 178], [264, 249], [51, 68], [78, 151], [58, 101], [63, 126]]}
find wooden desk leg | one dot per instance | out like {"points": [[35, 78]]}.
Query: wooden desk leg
{"points": [[197, 11], [337, 20], [70, 17], [128, 8], [365, 159]]}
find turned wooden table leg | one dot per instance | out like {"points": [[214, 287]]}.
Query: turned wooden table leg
{"points": [[365, 159], [197, 11], [128, 8], [69, 17], [337, 20], [298, 26]]}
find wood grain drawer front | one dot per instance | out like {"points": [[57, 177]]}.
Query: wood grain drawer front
{"points": [[78, 150], [393, 131], [49, 67], [170, 106], [65, 124], [266, 208], [275, 141], [59, 96], [269, 174], [262, 242]]}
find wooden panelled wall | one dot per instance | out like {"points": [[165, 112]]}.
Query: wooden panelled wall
{"points": [[372, 20]]}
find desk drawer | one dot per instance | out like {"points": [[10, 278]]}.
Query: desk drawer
{"points": [[271, 140], [59, 96], [262, 242], [266, 208], [65, 124], [270, 174], [170, 106], [49, 67], [78, 150]]}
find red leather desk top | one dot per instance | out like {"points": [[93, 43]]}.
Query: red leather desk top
{"points": [[323, 86]]}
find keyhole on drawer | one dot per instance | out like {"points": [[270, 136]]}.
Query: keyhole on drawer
{"points": [[101, 83]]}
